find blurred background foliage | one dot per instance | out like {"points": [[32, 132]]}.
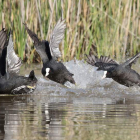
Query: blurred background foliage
{"points": [[101, 27]]}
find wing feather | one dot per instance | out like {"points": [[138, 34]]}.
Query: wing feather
{"points": [[33, 36], [56, 37], [103, 63], [3, 39], [131, 61], [14, 62]]}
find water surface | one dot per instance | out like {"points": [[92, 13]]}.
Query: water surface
{"points": [[93, 109]]}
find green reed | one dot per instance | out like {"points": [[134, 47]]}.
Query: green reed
{"points": [[101, 27]]}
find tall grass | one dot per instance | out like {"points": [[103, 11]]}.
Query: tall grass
{"points": [[102, 27]]}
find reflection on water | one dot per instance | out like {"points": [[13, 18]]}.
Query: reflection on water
{"points": [[91, 110], [43, 117]]}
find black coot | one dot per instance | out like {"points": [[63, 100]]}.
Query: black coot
{"points": [[121, 73], [49, 52], [10, 81]]}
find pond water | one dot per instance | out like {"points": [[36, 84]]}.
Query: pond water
{"points": [[93, 109]]}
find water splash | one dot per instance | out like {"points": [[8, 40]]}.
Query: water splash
{"points": [[89, 83]]}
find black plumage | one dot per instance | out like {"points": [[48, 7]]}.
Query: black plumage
{"points": [[10, 81], [49, 52], [121, 73]]}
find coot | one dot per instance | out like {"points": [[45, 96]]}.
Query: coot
{"points": [[121, 73], [10, 81], [49, 52]]}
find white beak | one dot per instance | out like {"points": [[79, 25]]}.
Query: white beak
{"points": [[47, 71], [104, 76]]}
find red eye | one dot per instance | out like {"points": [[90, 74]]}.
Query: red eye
{"points": [[108, 74]]}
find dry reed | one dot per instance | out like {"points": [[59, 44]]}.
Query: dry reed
{"points": [[105, 27]]}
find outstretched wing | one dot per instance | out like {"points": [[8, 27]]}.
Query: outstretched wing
{"points": [[33, 36], [56, 37], [131, 61], [3, 51], [42, 47], [3, 39], [13, 61], [103, 63]]}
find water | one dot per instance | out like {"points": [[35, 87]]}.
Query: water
{"points": [[93, 109]]}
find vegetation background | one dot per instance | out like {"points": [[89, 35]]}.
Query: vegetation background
{"points": [[101, 27]]}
